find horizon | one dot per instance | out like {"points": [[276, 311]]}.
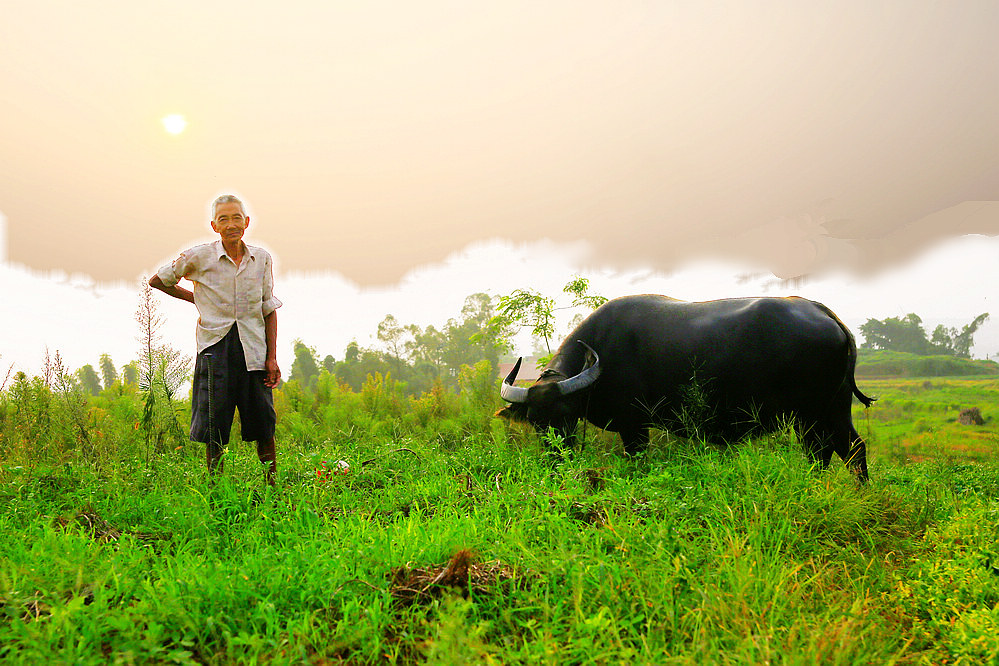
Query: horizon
{"points": [[311, 300]]}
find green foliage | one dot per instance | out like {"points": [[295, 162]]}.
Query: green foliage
{"points": [[118, 552], [130, 374], [382, 396], [89, 381], [953, 596], [963, 341], [27, 419], [907, 334], [418, 358], [305, 368], [537, 312], [109, 375], [329, 363], [75, 406]]}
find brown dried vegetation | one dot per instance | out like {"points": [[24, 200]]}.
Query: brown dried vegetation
{"points": [[416, 585]]}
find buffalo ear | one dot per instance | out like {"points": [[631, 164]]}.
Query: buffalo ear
{"points": [[514, 412]]}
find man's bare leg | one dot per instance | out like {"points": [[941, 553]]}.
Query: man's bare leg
{"points": [[267, 453]]}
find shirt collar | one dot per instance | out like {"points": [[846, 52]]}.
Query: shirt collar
{"points": [[220, 250]]}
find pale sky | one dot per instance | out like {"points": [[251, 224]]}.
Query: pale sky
{"points": [[846, 141]]}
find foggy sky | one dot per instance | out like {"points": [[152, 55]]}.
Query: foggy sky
{"points": [[370, 139]]}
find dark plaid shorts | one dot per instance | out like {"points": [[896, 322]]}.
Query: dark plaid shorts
{"points": [[222, 384]]}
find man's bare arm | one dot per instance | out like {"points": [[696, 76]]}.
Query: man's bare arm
{"points": [[270, 334], [176, 291]]}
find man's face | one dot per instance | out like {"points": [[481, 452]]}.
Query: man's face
{"points": [[230, 222]]}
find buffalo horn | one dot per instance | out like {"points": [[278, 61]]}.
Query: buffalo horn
{"points": [[512, 393], [584, 378]]}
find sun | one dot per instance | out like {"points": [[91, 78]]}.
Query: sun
{"points": [[174, 123]]}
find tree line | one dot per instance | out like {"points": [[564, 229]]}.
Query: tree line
{"points": [[906, 334], [420, 358], [417, 358]]}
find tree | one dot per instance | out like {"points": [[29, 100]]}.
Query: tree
{"points": [[965, 340], [907, 335], [305, 368], [130, 373], [329, 363], [427, 348], [397, 339], [109, 374], [89, 381], [942, 341], [357, 364], [477, 333]]}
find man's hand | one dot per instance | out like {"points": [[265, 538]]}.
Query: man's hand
{"points": [[273, 373]]}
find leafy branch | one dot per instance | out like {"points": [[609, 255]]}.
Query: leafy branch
{"points": [[527, 308]]}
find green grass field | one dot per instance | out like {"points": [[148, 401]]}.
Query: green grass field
{"points": [[450, 541]]}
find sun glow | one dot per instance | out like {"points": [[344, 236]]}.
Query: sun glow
{"points": [[174, 123]]}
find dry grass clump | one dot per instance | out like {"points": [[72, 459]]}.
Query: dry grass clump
{"points": [[416, 585], [594, 478]]}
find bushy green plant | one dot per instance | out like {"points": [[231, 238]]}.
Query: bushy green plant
{"points": [[382, 396], [27, 419]]}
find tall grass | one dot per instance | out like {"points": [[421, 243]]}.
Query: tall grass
{"points": [[451, 540]]}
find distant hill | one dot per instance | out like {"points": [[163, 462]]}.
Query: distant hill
{"points": [[901, 364]]}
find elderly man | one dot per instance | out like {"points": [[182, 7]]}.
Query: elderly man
{"points": [[237, 364]]}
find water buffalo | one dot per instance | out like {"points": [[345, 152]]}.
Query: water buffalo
{"points": [[736, 365]]}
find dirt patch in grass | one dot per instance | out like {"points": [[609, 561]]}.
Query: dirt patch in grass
{"points": [[413, 585]]}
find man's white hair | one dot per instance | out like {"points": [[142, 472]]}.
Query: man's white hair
{"points": [[224, 199]]}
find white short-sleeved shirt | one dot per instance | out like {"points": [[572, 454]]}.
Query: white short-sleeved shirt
{"points": [[226, 294]]}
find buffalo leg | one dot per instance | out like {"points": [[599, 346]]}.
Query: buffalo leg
{"points": [[818, 443], [848, 445], [857, 458]]}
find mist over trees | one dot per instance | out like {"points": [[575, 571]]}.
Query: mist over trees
{"points": [[109, 374], [417, 358], [420, 359], [89, 380], [906, 334]]}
